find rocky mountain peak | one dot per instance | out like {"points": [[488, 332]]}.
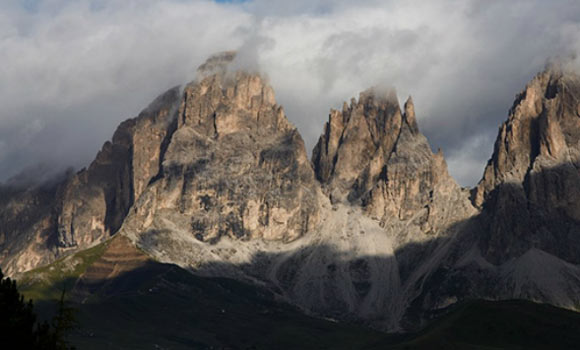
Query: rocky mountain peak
{"points": [[373, 154], [534, 172], [224, 121], [409, 116], [234, 167], [541, 129], [222, 104], [354, 135]]}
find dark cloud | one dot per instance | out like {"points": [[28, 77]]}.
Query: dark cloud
{"points": [[72, 70]]}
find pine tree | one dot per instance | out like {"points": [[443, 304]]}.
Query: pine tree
{"points": [[17, 318], [19, 328], [63, 322]]}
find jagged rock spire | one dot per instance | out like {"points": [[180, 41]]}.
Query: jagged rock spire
{"points": [[352, 137], [533, 173], [541, 130], [217, 180], [409, 116], [372, 154]]}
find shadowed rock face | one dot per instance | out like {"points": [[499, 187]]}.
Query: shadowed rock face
{"points": [[27, 227], [85, 208], [95, 201]]}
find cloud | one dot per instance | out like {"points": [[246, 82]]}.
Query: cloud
{"points": [[462, 61], [81, 67], [72, 70]]}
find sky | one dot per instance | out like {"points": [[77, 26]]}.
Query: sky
{"points": [[71, 71]]}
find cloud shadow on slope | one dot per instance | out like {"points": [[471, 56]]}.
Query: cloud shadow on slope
{"points": [[509, 225], [519, 226]]}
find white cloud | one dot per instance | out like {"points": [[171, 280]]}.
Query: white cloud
{"points": [[80, 67], [83, 66]]}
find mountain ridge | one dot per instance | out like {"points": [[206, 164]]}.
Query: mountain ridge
{"points": [[373, 229]]}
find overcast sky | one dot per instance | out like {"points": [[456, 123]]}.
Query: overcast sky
{"points": [[71, 71]]}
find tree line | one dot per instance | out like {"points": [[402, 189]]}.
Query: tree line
{"points": [[20, 327]]}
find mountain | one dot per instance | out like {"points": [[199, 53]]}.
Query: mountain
{"points": [[125, 300], [41, 223], [523, 243], [214, 179], [533, 173]]}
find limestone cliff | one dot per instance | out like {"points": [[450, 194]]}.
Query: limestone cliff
{"points": [[221, 154], [531, 185], [337, 254], [525, 242], [372, 154], [234, 166], [27, 225], [85, 208], [94, 202]]}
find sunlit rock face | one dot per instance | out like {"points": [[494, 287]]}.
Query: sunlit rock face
{"points": [[531, 186], [525, 243], [238, 165], [372, 155], [542, 132], [234, 166]]}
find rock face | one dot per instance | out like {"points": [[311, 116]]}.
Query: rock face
{"points": [[337, 255], [28, 224], [214, 178], [525, 243], [221, 154], [534, 173], [95, 201], [373, 155], [233, 167], [87, 207]]}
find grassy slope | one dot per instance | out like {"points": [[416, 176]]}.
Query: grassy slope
{"points": [[47, 282], [183, 311], [511, 324], [163, 306]]}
